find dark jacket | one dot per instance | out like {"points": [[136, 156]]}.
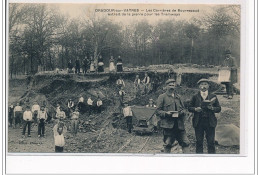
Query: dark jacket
{"points": [[77, 63], [231, 63], [166, 103], [196, 101]]}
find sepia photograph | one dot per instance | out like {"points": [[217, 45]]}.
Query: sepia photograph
{"points": [[123, 78]]}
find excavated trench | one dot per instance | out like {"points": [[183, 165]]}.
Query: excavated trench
{"points": [[100, 132], [58, 88]]}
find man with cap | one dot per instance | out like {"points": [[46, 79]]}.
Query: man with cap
{"points": [[230, 63], [204, 105], [170, 109]]}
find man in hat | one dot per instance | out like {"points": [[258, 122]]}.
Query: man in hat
{"points": [[70, 107], [204, 105], [151, 103], [146, 82], [35, 111], [127, 112], [230, 63], [170, 109]]}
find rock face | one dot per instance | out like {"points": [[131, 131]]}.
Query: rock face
{"points": [[227, 135]]}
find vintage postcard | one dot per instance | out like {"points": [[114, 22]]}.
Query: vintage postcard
{"points": [[124, 78]]}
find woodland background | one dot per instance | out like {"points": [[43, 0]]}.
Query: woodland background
{"points": [[40, 35]]}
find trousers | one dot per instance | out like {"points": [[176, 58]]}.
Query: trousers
{"points": [[204, 127], [58, 149], [229, 88], [129, 123], [170, 135], [74, 126], [27, 123], [41, 127]]}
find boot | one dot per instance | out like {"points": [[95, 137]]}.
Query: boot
{"points": [[167, 150], [186, 150]]}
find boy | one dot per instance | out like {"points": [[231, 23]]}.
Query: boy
{"points": [[146, 82], [81, 103], [35, 111], [27, 117], [42, 117], [10, 115], [60, 116], [151, 103], [70, 107], [99, 104], [59, 130], [90, 105], [121, 95], [128, 116], [204, 105], [18, 115], [120, 82], [75, 122]]}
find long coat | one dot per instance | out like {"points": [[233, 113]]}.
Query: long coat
{"points": [[166, 102], [196, 101]]}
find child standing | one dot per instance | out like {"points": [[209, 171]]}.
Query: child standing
{"points": [[59, 130], [75, 122], [128, 116], [27, 117], [60, 115], [35, 110], [10, 115], [99, 104], [42, 117], [18, 115]]}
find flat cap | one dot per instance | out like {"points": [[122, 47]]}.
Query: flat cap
{"points": [[227, 51], [170, 81], [203, 80]]}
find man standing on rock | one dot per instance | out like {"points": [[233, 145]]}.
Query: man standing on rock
{"points": [[170, 109], [204, 105]]}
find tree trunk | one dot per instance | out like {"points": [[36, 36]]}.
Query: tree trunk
{"points": [[24, 65], [191, 49], [12, 67], [96, 53]]}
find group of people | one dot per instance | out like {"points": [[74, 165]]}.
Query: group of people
{"points": [[203, 105], [147, 84], [36, 115], [90, 65], [171, 111], [169, 108]]}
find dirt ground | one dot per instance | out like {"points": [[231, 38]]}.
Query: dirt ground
{"points": [[97, 134]]}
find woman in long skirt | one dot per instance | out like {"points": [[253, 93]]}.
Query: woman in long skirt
{"points": [[112, 65], [92, 65], [119, 64], [100, 64]]}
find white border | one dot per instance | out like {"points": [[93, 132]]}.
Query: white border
{"points": [[155, 164]]}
